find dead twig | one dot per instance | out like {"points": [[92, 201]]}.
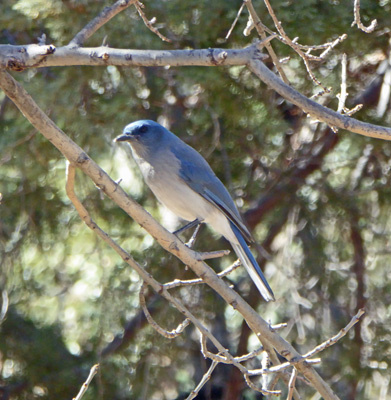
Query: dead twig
{"points": [[87, 383], [357, 19], [260, 390], [298, 48], [261, 31], [178, 282], [99, 21], [203, 381], [149, 23], [167, 334], [235, 21], [337, 337], [343, 94], [305, 56], [292, 382]]}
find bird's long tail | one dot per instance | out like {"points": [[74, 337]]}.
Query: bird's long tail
{"points": [[251, 265]]}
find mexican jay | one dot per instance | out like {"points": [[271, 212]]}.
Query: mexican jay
{"points": [[184, 182]]}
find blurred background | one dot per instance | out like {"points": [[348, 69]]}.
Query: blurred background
{"points": [[318, 204]]}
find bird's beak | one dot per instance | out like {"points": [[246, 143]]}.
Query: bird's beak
{"points": [[123, 138]]}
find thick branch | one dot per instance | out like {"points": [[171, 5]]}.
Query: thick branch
{"points": [[167, 240], [21, 57], [324, 114], [32, 55]]}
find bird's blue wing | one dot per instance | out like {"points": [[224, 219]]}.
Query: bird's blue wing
{"points": [[197, 173]]}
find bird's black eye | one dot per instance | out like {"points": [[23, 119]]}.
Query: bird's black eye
{"points": [[143, 129]]}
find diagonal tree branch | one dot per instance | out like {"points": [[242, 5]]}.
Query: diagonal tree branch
{"points": [[168, 241]]}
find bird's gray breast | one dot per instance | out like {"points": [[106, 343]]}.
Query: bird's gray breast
{"points": [[161, 174]]}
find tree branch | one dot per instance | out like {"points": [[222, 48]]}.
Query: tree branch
{"points": [[357, 19], [99, 21], [21, 57], [94, 370], [317, 111], [18, 58]]}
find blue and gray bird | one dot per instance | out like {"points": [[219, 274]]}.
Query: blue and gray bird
{"points": [[184, 182]]}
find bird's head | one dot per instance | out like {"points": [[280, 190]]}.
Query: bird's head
{"points": [[142, 133]]}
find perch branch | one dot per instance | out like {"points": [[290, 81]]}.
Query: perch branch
{"points": [[226, 357], [158, 287]]}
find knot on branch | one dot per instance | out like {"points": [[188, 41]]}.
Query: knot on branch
{"points": [[18, 58], [49, 49], [217, 57], [15, 64], [82, 158]]}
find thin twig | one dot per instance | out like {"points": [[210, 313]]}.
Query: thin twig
{"points": [[250, 355], [99, 21], [291, 385], [283, 366], [260, 390], [167, 334], [317, 349], [87, 383], [234, 361], [5, 301], [343, 94], [331, 45], [222, 274], [226, 358], [265, 366], [357, 19], [235, 21], [259, 27], [208, 255], [203, 381], [305, 56], [276, 327], [149, 23], [337, 337], [355, 109]]}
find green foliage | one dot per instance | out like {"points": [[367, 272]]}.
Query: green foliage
{"points": [[328, 194]]}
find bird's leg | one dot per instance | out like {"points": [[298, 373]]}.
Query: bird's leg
{"points": [[193, 238], [197, 223], [188, 226]]}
